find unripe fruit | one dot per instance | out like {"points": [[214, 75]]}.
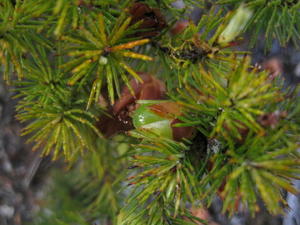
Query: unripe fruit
{"points": [[145, 118], [160, 119]]}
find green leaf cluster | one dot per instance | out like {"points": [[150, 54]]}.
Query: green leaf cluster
{"points": [[100, 56], [231, 99], [19, 22], [165, 177], [72, 58], [55, 113], [262, 166]]}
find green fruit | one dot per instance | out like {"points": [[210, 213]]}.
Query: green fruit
{"points": [[160, 128], [143, 115], [144, 118], [161, 118]]}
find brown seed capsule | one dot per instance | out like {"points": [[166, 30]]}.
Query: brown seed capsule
{"points": [[152, 19]]}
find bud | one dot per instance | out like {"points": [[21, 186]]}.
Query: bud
{"points": [[236, 25]]}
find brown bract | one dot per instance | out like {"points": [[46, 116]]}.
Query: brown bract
{"points": [[271, 119], [168, 110], [150, 89], [203, 214], [179, 27], [110, 125], [152, 19], [274, 67], [172, 110], [182, 132]]}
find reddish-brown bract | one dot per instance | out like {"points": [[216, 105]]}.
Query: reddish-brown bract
{"points": [[168, 110], [150, 89], [271, 119], [182, 132], [274, 66], [171, 110], [179, 27], [152, 19]]}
